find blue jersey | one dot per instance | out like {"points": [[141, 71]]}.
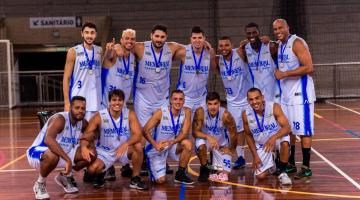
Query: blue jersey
{"points": [[262, 71], [239, 83], [294, 90], [119, 76], [86, 76]]}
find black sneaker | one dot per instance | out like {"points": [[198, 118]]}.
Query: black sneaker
{"points": [[126, 171], [204, 173], [136, 183], [181, 177], [290, 168], [304, 172], [99, 181], [88, 178], [110, 174], [168, 169]]}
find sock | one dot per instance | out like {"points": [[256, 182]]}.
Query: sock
{"points": [[41, 179], [292, 155], [306, 156], [181, 169], [240, 151], [282, 167]]}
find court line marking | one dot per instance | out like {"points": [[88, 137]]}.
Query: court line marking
{"points": [[191, 171], [11, 123], [13, 161], [343, 107]]}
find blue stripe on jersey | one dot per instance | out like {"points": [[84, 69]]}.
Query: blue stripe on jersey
{"points": [[134, 81], [307, 121], [104, 74], [277, 81], [181, 70], [227, 136], [252, 75], [149, 147], [71, 84], [152, 177]]}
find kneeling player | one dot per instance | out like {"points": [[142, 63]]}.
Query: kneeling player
{"points": [[214, 130], [118, 139], [265, 125], [170, 126], [57, 146]]}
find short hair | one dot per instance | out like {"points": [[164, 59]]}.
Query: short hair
{"points": [[118, 93], [197, 29], [89, 25], [252, 24], [128, 30], [176, 91], [212, 96], [160, 27], [254, 89], [77, 98], [225, 38]]}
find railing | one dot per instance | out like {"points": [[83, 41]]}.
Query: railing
{"points": [[38, 88]]}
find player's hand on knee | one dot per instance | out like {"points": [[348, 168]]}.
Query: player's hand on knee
{"points": [[122, 149], [257, 163], [269, 144], [212, 141], [86, 154]]}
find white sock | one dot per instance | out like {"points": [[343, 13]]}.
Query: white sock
{"points": [[41, 179], [240, 151]]}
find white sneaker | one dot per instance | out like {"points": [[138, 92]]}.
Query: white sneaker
{"points": [[40, 191], [67, 183], [223, 177], [284, 179]]}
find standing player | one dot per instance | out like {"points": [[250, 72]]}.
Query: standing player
{"points": [[166, 133], [82, 71], [118, 139], [194, 69], [260, 58], [57, 146], [214, 130], [265, 125], [298, 93], [236, 79]]}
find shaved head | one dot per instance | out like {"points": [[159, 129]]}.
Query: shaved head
{"points": [[282, 21]]}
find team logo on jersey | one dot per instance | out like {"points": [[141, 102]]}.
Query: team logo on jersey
{"points": [[165, 118], [207, 58], [147, 53], [188, 58], [251, 121], [80, 53], [106, 121], [167, 53]]}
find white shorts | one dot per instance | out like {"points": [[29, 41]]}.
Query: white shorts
{"points": [[236, 113], [89, 115], [144, 111], [157, 161], [220, 160], [109, 157], [301, 118], [34, 154], [194, 104]]}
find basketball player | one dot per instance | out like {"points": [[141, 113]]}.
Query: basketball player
{"points": [[118, 136], [236, 78], [196, 61], [118, 73], [298, 93], [214, 130], [57, 146], [166, 133], [265, 125], [82, 71]]}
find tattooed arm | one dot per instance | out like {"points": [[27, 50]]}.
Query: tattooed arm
{"points": [[230, 124], [198, 124]]}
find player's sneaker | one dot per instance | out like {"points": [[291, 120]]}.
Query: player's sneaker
{"points": [[126, 171], [181, 177], [67, 182], [284, 179], [136, 183], [168, 169], [239, 163], [88, 178], [304, 172], [40, 191], [223, 177], [110, 174], [204, 173], [290, 168], [99, 181]]}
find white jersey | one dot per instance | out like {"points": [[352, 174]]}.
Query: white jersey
{"points": [[294, 90], [214, 126], [153, 79], [86, 76], [119, 76], [262, 127], [262, 71], [68, 138], [168, 128], [113, 132], [237, 86], [194, 73]]}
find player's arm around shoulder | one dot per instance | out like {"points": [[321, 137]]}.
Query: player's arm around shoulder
{"points": [[280, 117], [178, 50], [230, 124], [138, 50], [198, 123]]}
